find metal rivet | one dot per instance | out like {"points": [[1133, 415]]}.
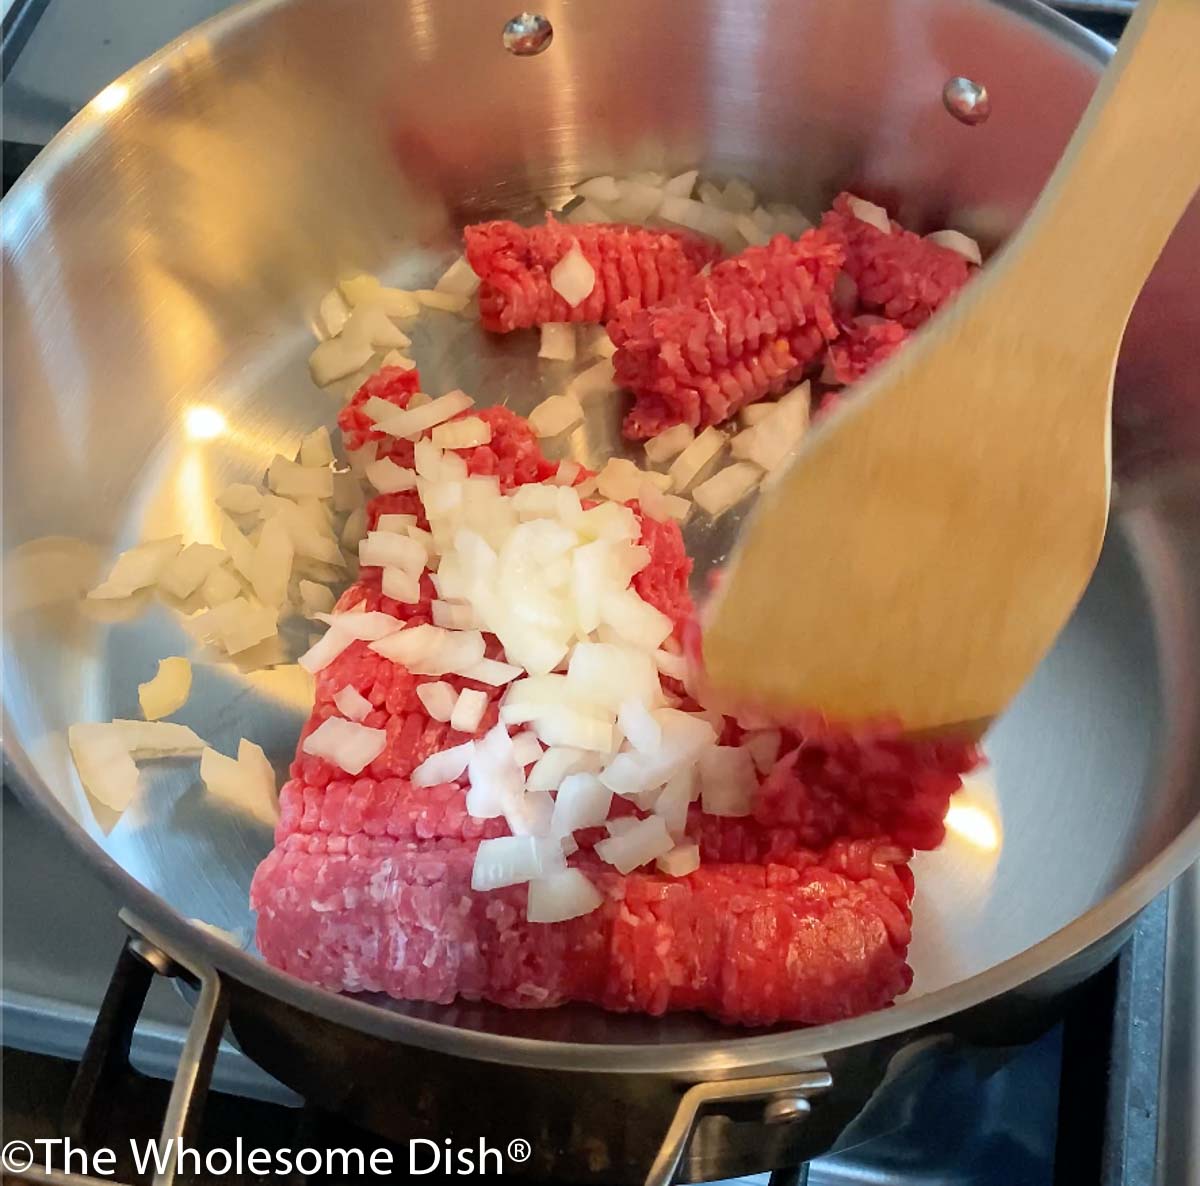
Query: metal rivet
{"points": [[785, 1108], [527, 33], [966, 100], [162, 963]]}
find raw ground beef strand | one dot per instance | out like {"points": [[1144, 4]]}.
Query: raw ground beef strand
{"points": [[747, 330], [632, 264], [865, 343], [799, 913]]}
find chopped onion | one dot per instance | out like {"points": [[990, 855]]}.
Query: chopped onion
{"points": [[383, 549], [788, 219], [466, 433], [438, 699], [451, 615], [680, 861], [137, 568], [674, 800], [246, 783], [389, 478], [688, 465], [641, 730], [351, 703], [526, 748], [401, 586], [399, 524], [598, 379], [728, 780], [104, 754], [239, 498], [752, 414], [763, 745], [754, 234], [637, 201], [428, 650], [468, 711], [621, 825], [337, 358], [607, 676], [669, 443], [410, 422], [637, 845], [290, 480], [600, 189], [510, 860], [696, 216], [272, 567], [393, 358], [728, 487], [558, 341], [555, 764], [445, 766], [588, 211], [560, 896], [349, 746], [459, 279], [583, 801], [220, 586], [395, 302], [957, 241], [332, 313], [597, 342], [168, 691], [560, 725], [447, 302], [354, 530], [868, 212], [555, 414], [357, 623], [671, 665], [635, 620], [566, 473], [323, 652], [682, 185], [497, 782], [492, 672], [189, 569], [372, 326], [316, 449], [573, 277], [619, 480], [778, 434], [238, 624]]}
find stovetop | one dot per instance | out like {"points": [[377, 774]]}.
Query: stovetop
{"points": [[1111, 1096]]}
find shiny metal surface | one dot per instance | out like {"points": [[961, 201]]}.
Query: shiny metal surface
{"points": [[968, 101], [167, 253]]}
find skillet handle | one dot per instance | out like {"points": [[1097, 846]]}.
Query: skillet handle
{"points": [[785, 1098], [105, 1064]]}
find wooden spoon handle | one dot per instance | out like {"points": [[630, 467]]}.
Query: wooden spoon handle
{"points": [[1129, 173]]}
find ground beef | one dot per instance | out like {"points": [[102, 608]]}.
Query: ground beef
{"points": [[632, 265], [747, 330], [863, 345]]}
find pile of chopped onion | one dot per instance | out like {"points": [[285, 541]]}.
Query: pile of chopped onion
{"points": [[168, 691], [105, 754]]}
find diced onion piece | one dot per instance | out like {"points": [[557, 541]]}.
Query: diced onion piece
{"points": [[351, 703], [427, 650], [240, 549], [492, 671], [410, 422], [573, 277], [674, 800], [682, 185], [957, 241], [466, 433], [363, 290], [641, 730], [371, 325], [104, 754], [459, 279], [451, 615], [468, 711], [315, 599], [705, 220], [739, 197], [397, 524], [369, 626], [510, 860], [348, 745], [621, 825], [246, 783], [555, 764], [680, 861], [354, 530], [445, 766], [337, 358], [137, 568], [868, 212], [383, 549], [754, 234], [598, 379], [728, 780], [272, 567], [526, 748], [188, 571], [560, 725], [788, 219], [316, 449], [558, 341], [600, 189], [566, 473], [669, 443], [555, 414], [687, 466], [220, 586], [619, 480], [588, 211], [560, 896], [729, 486], [778, 434], [291, 480], [332, 313], [240, 498], [389, 478], [635, 620], [763, 745], [669, 664], [393, 358], [238, 624], [637, 201], [637, 845], [438, 698], [752, 414], [609, 676], [446, 302], [168, 691], [497, 781], [583, 801], [597, 342], [323, 652]]}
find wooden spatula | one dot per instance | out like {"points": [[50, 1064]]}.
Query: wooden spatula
{"points": [[933, 536]]}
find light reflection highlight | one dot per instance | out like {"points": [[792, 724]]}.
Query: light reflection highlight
{"points": [[111, 98], [202, 423], [974, 824]]}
